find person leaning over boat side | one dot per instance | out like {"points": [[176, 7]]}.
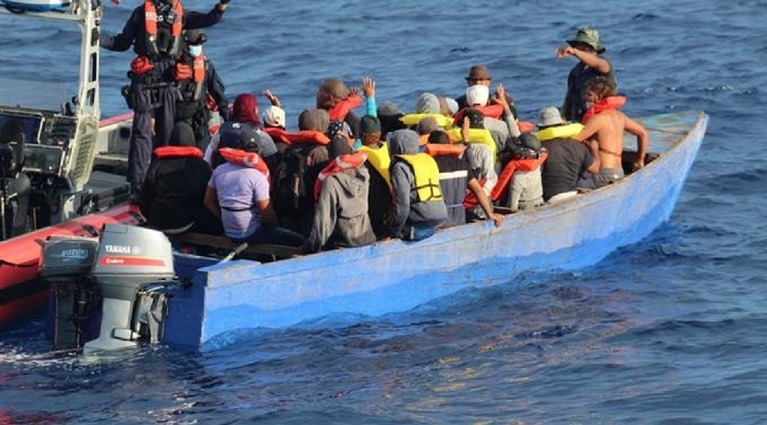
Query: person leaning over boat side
{"points": [[154, 29], [199, 87], [238, 193], [172, 196], [587, 48], [607, 124], [377, 164], [341, 216], [418, 203], [569, 161], [455, 177]]}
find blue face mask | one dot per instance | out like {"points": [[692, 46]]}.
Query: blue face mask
{"points": [[195, 51]]}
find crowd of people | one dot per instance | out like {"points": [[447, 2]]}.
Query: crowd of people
{"points": [[347, 180]]}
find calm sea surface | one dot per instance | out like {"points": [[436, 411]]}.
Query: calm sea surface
{"points": [[672, 330]]}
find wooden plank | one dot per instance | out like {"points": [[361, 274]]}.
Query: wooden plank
{"points": [[222, 242]]}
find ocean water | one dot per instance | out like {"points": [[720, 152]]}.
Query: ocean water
{"points": [[672, 330]]}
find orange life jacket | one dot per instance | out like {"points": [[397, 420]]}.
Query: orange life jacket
{"points": [[435, 149], [245, 158], [302, 136], [488, 111], [178, 152], [340, 110], [340, 163], [150, 28], [526, 126], [183, 72], [504, 179], [607, 104]]}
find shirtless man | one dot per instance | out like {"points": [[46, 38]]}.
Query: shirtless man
{"points": [[607, 127]]}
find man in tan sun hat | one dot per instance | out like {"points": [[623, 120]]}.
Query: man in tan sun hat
{"points": [[588, 49]]}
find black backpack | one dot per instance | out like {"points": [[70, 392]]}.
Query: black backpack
{"points": [[293, 184]]}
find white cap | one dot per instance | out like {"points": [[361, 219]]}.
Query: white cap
{"points": [[274, 116], [477, 95]]}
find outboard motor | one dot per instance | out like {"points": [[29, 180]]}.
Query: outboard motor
{"points": [[131, 267], [66, 264]]}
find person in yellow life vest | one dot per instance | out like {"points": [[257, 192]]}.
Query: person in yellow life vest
{"points": [[419, 207], [378, 161], [341, 191], [155, 30], [570, 163], [199, 87]]}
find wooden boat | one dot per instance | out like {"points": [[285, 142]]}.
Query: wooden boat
{"points": [[395, 276]]}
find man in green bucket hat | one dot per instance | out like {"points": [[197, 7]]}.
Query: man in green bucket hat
{"points": [[587, 47]]}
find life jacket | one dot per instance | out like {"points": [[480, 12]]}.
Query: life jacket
{"points": [[477, 135], [245, 158], [178, 152], [341, 109], [183, 74], [158, 40], [504, 179], [380, 160], [567, 131], [292, 137], [434, 149], [341, 163], [488, 111], [526, 126], [426, 174], [607, 104], [411, 120]]}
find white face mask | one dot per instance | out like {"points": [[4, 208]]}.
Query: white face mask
{"points": [[195, 51]]}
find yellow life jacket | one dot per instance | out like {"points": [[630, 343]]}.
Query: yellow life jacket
{"points": [[478, 135], [559, 132], [426, 174], [411, 120], [380, 160]]}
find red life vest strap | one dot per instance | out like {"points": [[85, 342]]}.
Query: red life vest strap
{"points": [[244, 158], [141, 65], [178, 152], [504, 179], [340, 163], [488, 111], [435, 149]]}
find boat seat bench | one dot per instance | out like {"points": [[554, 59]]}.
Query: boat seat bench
{"points": [[222, 242]]}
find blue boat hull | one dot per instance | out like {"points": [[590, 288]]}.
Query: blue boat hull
{"points": [[397, 276]]}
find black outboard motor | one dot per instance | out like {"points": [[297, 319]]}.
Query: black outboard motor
{"points": [[129, 261], [66, 264]]}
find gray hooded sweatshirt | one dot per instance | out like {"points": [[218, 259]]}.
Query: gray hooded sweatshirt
{"points": [[341, 218], [409, 211]]}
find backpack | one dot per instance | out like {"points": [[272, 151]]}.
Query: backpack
{"points": [[293, 183]]}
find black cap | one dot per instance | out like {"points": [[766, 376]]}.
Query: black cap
{"points": [[476, 119], [195, 37], [370, 124]]}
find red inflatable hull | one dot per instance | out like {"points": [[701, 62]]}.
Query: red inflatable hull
{"points": [[21, 293]]}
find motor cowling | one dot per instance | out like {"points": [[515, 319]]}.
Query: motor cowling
{"points": [[129, 260]]}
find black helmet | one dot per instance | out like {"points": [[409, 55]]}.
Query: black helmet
{"points": [[195, 37]]}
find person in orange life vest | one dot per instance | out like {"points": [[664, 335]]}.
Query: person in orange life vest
{"points": [[587, 48], [478, 155], [200, 88], [607, 125], [341, 215], [377, 164], [238, 193], [455, 177], [335, 97], [418, 203], [570, 163], [154, 29], [244, 119], [525, 191], [171, 199]]}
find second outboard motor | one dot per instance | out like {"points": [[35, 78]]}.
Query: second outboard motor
{"points": [[129, 260]]}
